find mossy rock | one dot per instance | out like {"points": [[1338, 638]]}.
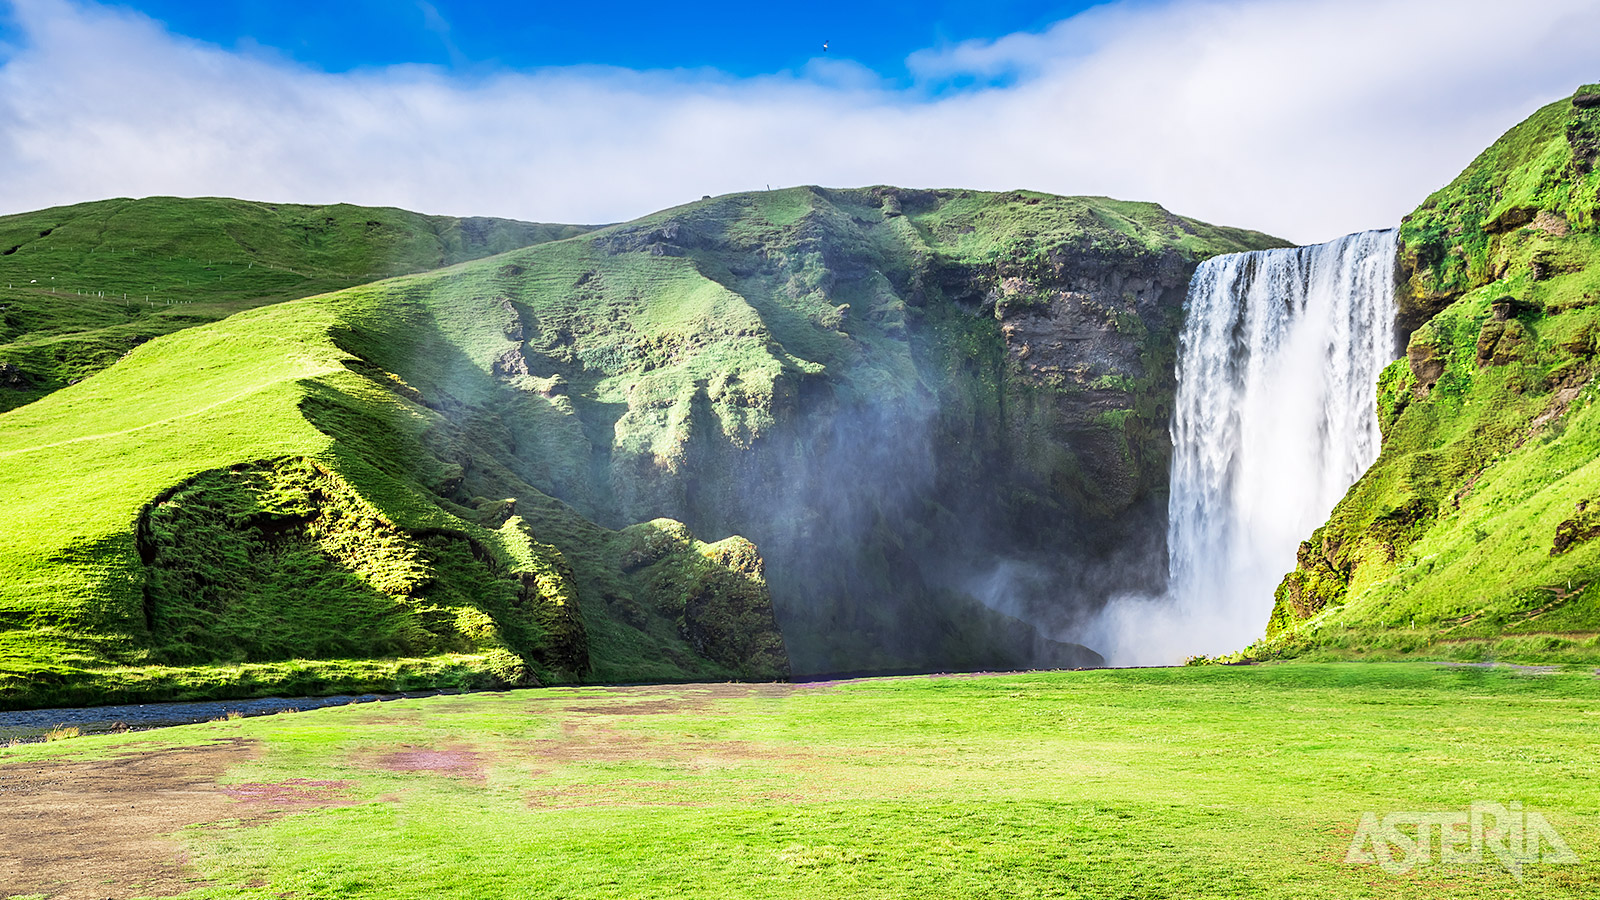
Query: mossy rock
{"points": [[717, 592], [284, 559]]}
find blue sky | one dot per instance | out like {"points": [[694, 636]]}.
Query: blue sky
{"points": [[741, 39], [1306, 119]]}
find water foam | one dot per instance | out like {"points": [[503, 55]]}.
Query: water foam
{"points": [[1275, 418]]}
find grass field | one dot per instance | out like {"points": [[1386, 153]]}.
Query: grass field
{"points": [[1210, 782]]}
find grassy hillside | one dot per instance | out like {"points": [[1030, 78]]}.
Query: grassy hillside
{"points": [[1473, 533], [829, 373], [244, 507], [84, 284], [461, 476], [883, 388], [1147, 784]]}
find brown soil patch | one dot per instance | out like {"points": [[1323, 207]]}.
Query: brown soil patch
{"points": [[101, 828]]}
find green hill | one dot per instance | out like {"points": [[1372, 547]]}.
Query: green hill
{"points": [[459, 477], [85, 284], [1473, 532]]}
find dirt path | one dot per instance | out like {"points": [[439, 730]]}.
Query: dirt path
{"points": [[96, 829]]}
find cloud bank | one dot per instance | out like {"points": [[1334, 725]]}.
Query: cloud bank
{"points": [[1304, 118]]}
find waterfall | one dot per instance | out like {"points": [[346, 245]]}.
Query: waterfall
{"points": [[1275, 418]]}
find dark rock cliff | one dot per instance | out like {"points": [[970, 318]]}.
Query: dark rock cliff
{"points": [[941, 415]]}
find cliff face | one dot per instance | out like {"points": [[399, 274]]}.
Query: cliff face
{"points": [[935, 412], [924, 429], [1468, 535]]}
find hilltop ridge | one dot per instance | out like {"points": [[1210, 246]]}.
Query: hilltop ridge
{"points": [[137, 269]]}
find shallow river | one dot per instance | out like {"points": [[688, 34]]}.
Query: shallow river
{"points": [[32, 724]]}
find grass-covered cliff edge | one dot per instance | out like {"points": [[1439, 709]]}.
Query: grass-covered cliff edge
{"points": [[501, 471], [1473, 534]]}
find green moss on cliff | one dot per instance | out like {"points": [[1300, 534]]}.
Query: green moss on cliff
{"points": [[162, 541], [1471, 525], [1475, 230], [826, 371], [716, 594]]}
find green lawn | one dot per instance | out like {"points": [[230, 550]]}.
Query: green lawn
{"points": [[1209, 782]]}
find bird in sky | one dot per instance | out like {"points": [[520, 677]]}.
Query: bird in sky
{"points": [[824, 46]]}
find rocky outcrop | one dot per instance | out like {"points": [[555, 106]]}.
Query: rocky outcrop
{"points": [[1089, 338], [717, 593], [1426, 358], [285, 560]]}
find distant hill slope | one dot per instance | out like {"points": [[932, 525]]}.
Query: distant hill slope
{"points": [[460, 476], [84, 284], [1473, 533]]}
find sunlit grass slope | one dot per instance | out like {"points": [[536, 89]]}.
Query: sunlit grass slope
{"points": [[84, 284], [455, 477], [148, 495], [1472, 534], [1245, 782]]}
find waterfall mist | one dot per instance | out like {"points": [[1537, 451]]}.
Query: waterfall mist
{"points": [[1275, 418]]}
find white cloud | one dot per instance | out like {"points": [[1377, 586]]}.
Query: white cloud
{"points": [[1305, 118]]}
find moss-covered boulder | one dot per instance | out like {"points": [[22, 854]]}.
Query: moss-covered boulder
{"points": [[717, 594], [284, 560]]}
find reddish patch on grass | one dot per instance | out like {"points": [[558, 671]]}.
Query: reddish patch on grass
{"points": [[296, 793], [453, 762]]}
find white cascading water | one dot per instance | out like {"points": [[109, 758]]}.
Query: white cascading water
{"points": [[1275, 418]]}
